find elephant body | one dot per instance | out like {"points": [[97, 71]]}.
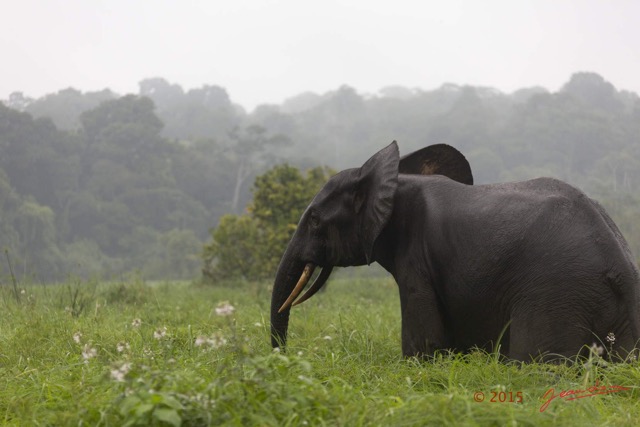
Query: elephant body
{"points": [[537, 256], [536, 266]]}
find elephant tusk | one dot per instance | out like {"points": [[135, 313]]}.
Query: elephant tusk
{"points": [[317, 284], [304, 278]]}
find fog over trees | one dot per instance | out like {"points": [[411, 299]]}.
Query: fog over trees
{"points": [[99, 183]]}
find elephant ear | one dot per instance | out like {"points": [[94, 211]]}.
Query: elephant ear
{"points": [[439, 159], [373, 200]]}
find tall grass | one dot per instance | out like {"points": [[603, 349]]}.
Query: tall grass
{"points": [[133, 353]]}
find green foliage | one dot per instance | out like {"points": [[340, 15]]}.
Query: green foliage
{"points": [[102, 201], [92, 184], [160, 354], [250, 246], [28, 233], [109, 117], [65, 107], [180, 253], [232, 253], [206, 112], [148, 408]]}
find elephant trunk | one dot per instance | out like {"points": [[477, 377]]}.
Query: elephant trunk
{"points": [[288, 273], [291, 278]]}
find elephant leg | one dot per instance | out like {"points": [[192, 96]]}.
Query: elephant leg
{"points": [[422, 324]]}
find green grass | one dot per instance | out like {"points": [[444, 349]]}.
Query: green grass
{"points": [[343, 365]]}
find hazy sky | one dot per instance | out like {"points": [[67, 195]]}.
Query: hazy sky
{"points": [[267, 50]]}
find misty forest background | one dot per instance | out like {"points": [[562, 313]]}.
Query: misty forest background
{"points": [[97, 184]]}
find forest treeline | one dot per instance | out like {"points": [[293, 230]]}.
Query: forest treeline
{"points": [[100, 184]]}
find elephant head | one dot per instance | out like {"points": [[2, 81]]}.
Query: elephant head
{"points": [[341, 225]]}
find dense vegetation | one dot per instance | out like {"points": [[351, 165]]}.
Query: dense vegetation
{"points": [[98, 184], [249, 246], [135, 354]]}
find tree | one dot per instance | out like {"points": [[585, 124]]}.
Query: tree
{"points": [[39, 160], [232, 252], [28, 232], [141, 171], [250, 246], [468, 124], [249, 151], [280, 196], [133, 110], [65, 107], [18, 101], [175, 255], [206, 112], [594, 91]]}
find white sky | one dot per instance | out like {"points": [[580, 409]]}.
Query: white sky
{"points": [[265, 51]]}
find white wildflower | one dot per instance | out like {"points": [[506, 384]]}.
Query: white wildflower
{"points": [[160, 333], [136, 323], [22, 292], [119, 373], [611, 338], [597, 349], [88, 352], [201, 340], [122, 346], [215, 341], [257, 324], [77, 336], [327, 337], [201, 399], [225, 309]]}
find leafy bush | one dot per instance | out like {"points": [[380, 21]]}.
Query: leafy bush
{"points": [[250, 246], [233, 250]]}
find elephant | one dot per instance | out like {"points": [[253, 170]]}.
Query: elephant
{"points": [[535, 266]]}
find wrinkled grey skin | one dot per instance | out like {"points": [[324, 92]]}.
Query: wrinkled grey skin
{"points": [[536, 261]]}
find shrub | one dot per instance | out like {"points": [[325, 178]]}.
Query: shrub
{"points": [[250, 246]]}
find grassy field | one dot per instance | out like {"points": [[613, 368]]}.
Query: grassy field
{"points": [[161, 354]]}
